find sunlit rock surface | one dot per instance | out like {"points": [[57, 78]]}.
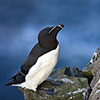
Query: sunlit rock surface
{"points": [[60, 87], [95, 83]]}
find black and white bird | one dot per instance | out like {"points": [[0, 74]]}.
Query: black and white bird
{"points": [[40, 62]]}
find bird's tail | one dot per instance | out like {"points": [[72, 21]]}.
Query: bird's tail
{"points": [[10, 83], [16, 79]]}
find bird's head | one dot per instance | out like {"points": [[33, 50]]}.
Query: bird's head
{"points": [[47, 36]]}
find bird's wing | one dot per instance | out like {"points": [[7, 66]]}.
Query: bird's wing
{"points": [[36, 52], [16, 79], [15, 75]]}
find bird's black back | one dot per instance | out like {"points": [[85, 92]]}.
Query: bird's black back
{"points": [[35, 53]]}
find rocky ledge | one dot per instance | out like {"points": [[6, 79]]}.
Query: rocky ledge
{"points": [[92, 72], [62, 85], [59, 86]]}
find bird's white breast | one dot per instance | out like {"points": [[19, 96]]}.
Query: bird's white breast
{"points": [[41, 70]]}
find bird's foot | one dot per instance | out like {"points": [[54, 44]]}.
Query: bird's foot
{"points": [[54, 83], [47, 91]]}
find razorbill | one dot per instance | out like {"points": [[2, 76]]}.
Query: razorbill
{"points": [[41, 60]]}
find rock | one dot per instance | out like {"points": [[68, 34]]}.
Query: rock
{"points": [[96, 67], [95, 79], [77, 72], [95, 94], [96, 73], [96, 55], [95, 83], [59, 87], [68, 71], [87, 71], [88, 68]]}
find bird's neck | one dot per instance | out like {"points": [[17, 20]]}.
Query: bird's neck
{"points": [[49, 46]]}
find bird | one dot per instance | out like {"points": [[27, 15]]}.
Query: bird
{"points": [[41, 60]]}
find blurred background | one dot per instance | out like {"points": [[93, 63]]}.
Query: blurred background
{"points": [[22, 20]]}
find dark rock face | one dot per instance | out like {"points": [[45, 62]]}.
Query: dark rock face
{"points": [[59, 86], [68, 71], [95, 83], [87, 70], [77, 72]]}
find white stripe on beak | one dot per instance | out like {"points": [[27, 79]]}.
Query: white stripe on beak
{"points": [[60, 26], [55, 27], [52, 29]]}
